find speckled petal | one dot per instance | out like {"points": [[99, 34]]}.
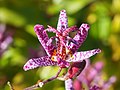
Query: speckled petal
{"points": [[43, 38], [62, 22], [80, 56], [69, 84], [79, 37], [38, 62]]}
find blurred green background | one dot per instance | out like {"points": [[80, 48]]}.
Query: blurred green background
{"points": [[19, 18]]}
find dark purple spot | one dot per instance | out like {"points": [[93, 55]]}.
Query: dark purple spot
{"points": [[26, 66], [63, 26], [98, 50], [31, 64], [84, 31], [88, 26]]}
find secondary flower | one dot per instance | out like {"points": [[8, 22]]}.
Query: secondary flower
{"points": [[5, 39], [65, 50], [92, 78]]}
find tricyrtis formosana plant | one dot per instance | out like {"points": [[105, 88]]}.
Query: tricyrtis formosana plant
{"points": [[64, 53]]}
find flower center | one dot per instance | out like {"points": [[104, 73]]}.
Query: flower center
{"points": [[63, 54]]}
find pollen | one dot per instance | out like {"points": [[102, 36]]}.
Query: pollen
{"points": [[69, 52], [54, 52], [53, 58]]}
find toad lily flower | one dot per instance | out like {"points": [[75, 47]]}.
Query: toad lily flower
{"points": [[65, 50]]}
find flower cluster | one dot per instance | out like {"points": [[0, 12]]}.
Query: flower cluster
{"points": [[92, 78], [64, 53]]}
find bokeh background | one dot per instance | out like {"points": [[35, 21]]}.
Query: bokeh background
{"points": [[19, 42]]}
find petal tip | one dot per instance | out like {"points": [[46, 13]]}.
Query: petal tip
{"points": [[86, 26], [98, 50], [28, 65], [37, 26], [25, 68]]}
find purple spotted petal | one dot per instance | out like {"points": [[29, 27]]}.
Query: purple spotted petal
{"points": [[62, 22], [107, 84], [69, 84], [39, 62], [95, 88], [43, 38], [80, 56], [80, 37]]}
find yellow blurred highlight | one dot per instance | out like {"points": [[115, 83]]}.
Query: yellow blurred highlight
{"points": [[17, 82], [116, 5], [116, 23], [91, 18], [115, 45], [18, 78]]}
